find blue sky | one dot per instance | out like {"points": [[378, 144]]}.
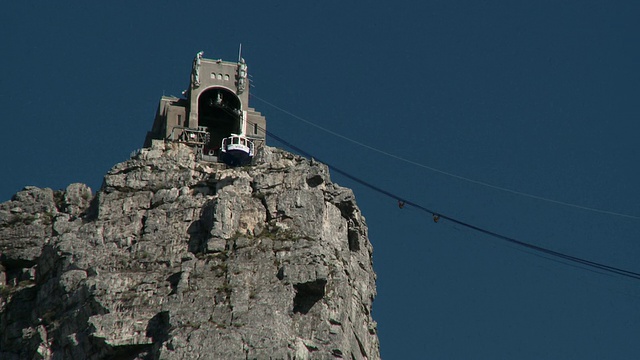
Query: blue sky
{"points": [[539, 97]]}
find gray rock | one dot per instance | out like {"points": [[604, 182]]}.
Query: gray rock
{"points": [[76, 199], [178, 259]]}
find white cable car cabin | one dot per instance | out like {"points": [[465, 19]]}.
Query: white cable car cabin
{"points": [[236, 150]]}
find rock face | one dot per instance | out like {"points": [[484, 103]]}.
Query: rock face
{"points": [[178, 259]]}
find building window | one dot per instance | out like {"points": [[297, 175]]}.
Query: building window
{"points": [[219, 76], [213, 75], [255, 129], [179, 119], [226, 77]]}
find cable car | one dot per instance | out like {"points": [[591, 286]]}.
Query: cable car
{"points": [[236, 150]]}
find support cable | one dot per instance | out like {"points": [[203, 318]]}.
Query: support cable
{"points": [[437, 215], [459, 177]]}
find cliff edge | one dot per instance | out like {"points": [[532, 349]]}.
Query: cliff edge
{"points": [[179, 259]]}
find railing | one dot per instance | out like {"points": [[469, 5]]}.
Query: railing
{"points": [[189, 136]]}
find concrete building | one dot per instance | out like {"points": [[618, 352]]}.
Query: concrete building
{"points": [[216, 107]]}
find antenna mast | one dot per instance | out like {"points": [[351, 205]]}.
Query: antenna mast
{"points": [[240, 53]]}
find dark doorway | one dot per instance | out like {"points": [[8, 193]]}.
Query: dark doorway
{"points": [[220, 111]]}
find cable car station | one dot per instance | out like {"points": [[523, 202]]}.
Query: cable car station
{"points": [[215, 117]]}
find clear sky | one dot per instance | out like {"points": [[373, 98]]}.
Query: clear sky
{"points": [[540, 97]]}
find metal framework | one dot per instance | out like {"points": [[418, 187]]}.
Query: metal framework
{"points": [[189, 136], [197, 138]]}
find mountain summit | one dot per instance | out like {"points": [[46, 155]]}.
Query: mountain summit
{"points": [[177, 258]]}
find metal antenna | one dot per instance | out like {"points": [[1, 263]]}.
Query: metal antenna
{"points": [[240, 53]]}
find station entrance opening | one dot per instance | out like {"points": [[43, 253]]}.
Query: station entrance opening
{"points": [[220, 111]]}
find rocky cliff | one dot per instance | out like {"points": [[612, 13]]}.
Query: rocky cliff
{"points": [[179, 259]]}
